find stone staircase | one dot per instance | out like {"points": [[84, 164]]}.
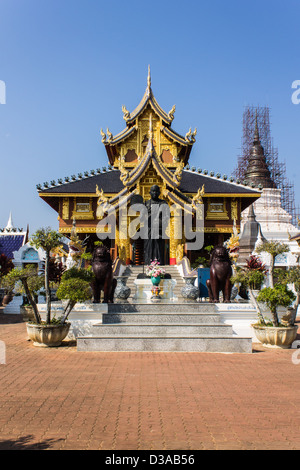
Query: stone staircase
{"points": [[163, 327], [134, 271]]}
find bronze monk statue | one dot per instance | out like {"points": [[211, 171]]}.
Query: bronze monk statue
{"points": [[154, 244]]}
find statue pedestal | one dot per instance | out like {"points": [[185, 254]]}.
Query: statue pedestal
{"points": [[144, 290]]}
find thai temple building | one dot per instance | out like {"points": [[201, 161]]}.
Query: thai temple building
{"points": [[149, 152]]}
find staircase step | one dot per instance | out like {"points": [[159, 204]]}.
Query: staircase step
{"points": [[162, 318], [160, 329], [163, 307], [201, 343]]}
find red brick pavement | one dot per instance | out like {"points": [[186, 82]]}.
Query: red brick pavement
{"points": [[63, 399]]}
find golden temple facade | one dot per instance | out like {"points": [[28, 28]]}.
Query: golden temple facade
{"points": [[147, 152]]}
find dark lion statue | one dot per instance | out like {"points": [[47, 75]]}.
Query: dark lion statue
{"points": [[220, 274], [104, 280]]}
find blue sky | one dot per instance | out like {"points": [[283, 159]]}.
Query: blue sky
{"points": [[70, 65]]}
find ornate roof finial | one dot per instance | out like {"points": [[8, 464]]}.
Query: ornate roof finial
{"points": [[149, 78], [171, 112], [188, 134], [126, 113], [256, 133], [110, 136], [103, 136], [10, 226]]}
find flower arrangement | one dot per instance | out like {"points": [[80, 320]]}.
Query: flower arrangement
{"points": [[155, 270]]}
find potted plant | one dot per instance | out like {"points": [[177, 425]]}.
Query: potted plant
{"points": [[27, 277], [75, 286], [48, 240], [155, 271], [250, 280], [274, 333], [52, 331]]}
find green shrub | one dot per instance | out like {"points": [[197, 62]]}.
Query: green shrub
{"points": [[274, 297]]}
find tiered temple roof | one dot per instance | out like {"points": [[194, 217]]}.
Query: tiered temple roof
{"points": [[147, 152]]}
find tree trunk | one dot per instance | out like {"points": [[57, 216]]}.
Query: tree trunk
{"points": [[275, 316], [31, 301], [47, 289], [271, 276], [253, 299], [67, 311]]}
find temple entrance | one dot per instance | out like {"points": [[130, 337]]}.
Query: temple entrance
{"points": [[137, 248], [210, 240], [137, 251]]}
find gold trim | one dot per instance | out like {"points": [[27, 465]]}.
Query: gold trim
{"points": [[74, 194], [234, 195], [65, 208], [219, 229], [234, 209], [78, 229], [228, 195], [94, 229]]}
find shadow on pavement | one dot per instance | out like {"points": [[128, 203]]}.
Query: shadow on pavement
{"points": [[26, 443], [6, 318]]}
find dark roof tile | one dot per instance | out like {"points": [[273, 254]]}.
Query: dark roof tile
{"points": [[11, 243], [191, 181]]}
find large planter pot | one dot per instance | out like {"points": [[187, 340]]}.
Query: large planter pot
{"points": [[276, 337], [122, 292], [47, 335], [2, 294], [189, 291], [7, 299]]}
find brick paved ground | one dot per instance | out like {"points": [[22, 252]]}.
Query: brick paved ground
{"points": [[63, 399]]}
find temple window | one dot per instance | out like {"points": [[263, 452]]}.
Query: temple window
{"points": [[83, 208], [82, 205], [217, 209]]}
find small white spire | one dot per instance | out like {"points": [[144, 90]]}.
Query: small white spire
{"points": [[10, 224]]}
